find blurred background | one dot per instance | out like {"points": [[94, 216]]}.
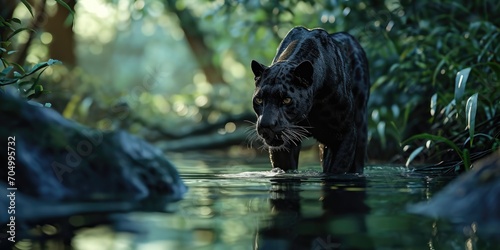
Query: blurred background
{"points": [[177, 72]]}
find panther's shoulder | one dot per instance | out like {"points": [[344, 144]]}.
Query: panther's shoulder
{"points": [[306, 43], [305, 35]]}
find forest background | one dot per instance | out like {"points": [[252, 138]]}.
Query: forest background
{"points": [[177, 72]]}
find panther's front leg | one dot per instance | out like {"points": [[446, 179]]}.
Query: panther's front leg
{"points": [[338, 158], [285, 159]]}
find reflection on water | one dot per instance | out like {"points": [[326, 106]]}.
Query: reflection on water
{"points": [[340, 223], [250, 207]]}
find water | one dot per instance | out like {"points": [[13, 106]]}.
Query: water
{"points": [[237, 206]]}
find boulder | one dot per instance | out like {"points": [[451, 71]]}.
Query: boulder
{"points": [[58, 160], [472, 198]]}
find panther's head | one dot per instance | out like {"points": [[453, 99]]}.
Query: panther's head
{"points": [[282, 99]]}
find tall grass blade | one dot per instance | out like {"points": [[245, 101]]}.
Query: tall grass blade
{"points": [[413, 155], [460, 82], [470, 115], [427, 136], [434, 104]]}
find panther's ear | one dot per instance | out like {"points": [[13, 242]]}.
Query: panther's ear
{"points": [[304, 71], [258, 68]]}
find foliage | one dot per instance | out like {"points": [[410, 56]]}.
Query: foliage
{"points": [[462, 44], [35, 88], [416, 49], [26, 79], [427, 59]]}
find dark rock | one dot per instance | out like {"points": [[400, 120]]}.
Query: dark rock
{"points": [[60, 160], [472, 198]]}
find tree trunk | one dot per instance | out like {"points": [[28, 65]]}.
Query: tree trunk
{"points": [[62, 46], [39, 16], [195, 38]]}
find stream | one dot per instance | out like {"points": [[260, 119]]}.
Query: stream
{"points": [[230, 205]]}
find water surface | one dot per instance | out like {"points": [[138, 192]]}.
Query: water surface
{"points": [[247, 206]]}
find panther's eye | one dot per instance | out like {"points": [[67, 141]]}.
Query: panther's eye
{"points": [[287, 100], [258, 100]]}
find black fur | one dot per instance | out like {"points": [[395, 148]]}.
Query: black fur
{"points": [[308, 91]]}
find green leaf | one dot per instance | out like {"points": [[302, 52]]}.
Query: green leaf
{"points": [[6, 70], [467, 162], [435, 138], [17, 32], [37, 67], [460, 82], [5, 44], [18, 67], [434, 104], [470, 115], [38, 89], [65, 5], [6, 81], [28, 6], [438, 69], [413, 155], [449, 110], [381, 133], [68, 21], [6, 24], [15, 20], [53, 61], [4, 62], [487, 46], [38, 79], [24, 83]]}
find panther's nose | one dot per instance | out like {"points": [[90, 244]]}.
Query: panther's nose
{"points": [[268, 121], [267, 133]]}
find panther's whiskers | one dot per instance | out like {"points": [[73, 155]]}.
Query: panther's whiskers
{"points": [[252, 136]]}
